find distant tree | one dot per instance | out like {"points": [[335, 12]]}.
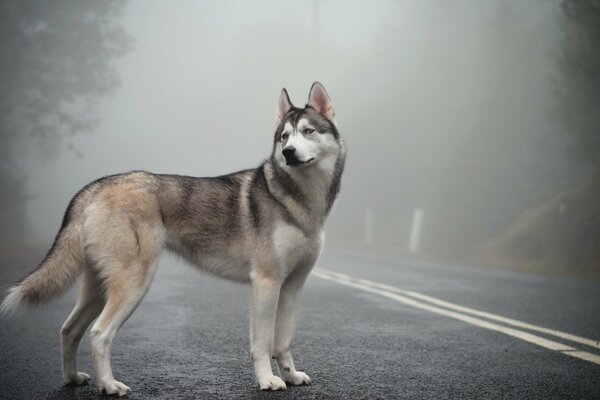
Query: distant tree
{"points": [[580, 76], [56, 62]]}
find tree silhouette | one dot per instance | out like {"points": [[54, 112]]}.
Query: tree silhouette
{"points": [[580, 78], [56, 62]]}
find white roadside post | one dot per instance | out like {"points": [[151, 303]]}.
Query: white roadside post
{"points": [[415, 230], [368, 226]]}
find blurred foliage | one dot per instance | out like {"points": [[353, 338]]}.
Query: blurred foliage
{"points": [[56, 62], [580, 84]]}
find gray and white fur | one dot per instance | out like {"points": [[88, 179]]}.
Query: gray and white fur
{"points": [[264, 226]]}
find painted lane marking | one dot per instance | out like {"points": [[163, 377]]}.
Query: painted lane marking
{"points": [[528, 337], [467, 310]]}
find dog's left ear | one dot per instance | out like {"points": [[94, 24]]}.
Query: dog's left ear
{"points": [[320, 101], [283, 106]]}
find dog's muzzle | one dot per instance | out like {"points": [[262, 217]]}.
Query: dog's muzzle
{"points": [[291, 158], [289, 153]]}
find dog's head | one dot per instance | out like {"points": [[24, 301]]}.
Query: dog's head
{"points": [[306, 136]]}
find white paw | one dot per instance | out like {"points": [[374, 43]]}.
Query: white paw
{"points": [[114, 387], [271, 382], [79, 378], [296, 378]]}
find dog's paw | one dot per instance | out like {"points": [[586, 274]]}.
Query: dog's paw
{"points": [[77, 379], [297, 378], [114, 387], [271, 382]]}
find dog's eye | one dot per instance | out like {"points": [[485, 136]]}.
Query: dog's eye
{"points": [[308, 131], [284, 136]]}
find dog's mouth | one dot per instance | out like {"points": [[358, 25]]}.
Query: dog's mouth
{"points": [[294, 162]]}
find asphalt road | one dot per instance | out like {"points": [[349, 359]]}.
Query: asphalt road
{"points": [[189, 337]]}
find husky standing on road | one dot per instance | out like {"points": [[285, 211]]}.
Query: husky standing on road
{"points": [[263, 226]]}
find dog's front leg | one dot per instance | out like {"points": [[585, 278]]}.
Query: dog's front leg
{"points": [[265, 295], [287, 309]]}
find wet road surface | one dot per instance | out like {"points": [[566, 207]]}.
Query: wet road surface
{"points": [[189, 337]]}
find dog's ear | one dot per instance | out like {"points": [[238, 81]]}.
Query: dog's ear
{"points": [[284, 105], [320, 101]]}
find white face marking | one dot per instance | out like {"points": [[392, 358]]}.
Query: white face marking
{"points": [[288, 128], [303, 124], [314, 147]]}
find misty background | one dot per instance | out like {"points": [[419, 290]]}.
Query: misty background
{"points": [[483, 114]]}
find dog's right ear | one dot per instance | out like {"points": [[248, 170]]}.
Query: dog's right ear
{"points": [[284, 105]]}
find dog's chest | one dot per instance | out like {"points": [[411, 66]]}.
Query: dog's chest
{"points": [[293, 247]]}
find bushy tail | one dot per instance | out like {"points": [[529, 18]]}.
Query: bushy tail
{"points": [[56, 273]]}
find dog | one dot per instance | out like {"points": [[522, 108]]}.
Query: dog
{"points": [[264, 226]]}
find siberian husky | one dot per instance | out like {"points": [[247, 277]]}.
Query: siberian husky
{"points": [[263, 226]]}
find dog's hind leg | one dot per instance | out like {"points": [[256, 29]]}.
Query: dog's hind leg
{"points": [[126, 273], [125, 289], [124, 235], [89, 304]]}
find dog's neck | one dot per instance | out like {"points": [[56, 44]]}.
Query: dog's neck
{"points": [[308, 193]]}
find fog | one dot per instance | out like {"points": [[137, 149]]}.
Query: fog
{"points": [[449, 107]]}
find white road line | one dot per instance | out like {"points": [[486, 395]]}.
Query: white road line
{"points": [[395, 295], [467, 310]]}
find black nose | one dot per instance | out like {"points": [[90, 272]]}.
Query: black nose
{"points": [[289, 151]]}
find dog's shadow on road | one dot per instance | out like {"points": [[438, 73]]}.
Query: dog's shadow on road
{"points": [[77, 393]]}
